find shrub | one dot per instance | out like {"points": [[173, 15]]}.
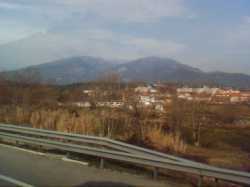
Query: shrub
{"points": [[166, 141]]}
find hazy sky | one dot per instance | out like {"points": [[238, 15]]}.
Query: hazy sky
{"points": [[210, 34]]}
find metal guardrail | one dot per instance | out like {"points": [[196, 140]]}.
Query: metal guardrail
{"points": [[96, 141], [14, 181], [110, 149]]}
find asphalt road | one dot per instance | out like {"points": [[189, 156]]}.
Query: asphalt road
{"points": [[47, 170], [5, 183]]}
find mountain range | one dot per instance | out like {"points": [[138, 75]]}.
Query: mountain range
{"points": [[148, 69]]}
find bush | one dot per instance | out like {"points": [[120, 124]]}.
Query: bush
{"points": [[166, 141]]}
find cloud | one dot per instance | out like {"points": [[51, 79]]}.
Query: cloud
{"points": [[239, 37], [47, 47], [12, 30], [153, 47], [106, 43], [119, 10], [87, 36], [61, 14], [4, 5], [134, 10], [16, 35], [248, 19]]}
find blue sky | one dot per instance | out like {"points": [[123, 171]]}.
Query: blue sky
{"points": [[209, 34]]}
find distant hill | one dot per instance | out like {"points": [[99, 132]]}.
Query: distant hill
{"points": [[64, 71], [150, 69], [155, 69]]}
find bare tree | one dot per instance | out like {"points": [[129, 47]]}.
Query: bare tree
{"points": [[176, 115], [199, 117]]}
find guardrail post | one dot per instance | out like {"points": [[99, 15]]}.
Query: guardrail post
{"points": [[101, 163], [216, 181], [67, 155], [200, 181], [155, 173], [40, 148]]}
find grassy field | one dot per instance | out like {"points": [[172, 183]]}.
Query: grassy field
{"points": [[224, 147]]}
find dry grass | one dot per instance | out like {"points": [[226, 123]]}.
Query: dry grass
{"points": [[92, 123], [231, 159], [219, 146], [166, 141], [66, 121]]}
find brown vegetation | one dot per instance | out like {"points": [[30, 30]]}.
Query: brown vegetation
{"points": [[166, 141], [195, 130]]}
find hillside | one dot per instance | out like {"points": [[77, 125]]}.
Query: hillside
{"points": [[64, 71], [150, 69], [155, 69]]}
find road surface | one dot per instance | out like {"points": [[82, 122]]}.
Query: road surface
{"points": [[47, 170], [6, 183]]}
